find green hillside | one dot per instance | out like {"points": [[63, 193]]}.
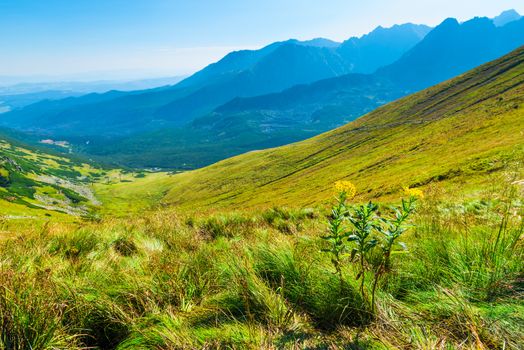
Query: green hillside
{"points": [[34, 184], [457, 134]]}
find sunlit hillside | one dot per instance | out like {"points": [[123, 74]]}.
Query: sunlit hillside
{"points": [[35, 184], [457, 134]]}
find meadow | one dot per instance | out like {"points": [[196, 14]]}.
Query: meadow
{"points": [[251, 280]]}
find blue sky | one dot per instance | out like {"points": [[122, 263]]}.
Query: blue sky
{"points": [[97, 39]]}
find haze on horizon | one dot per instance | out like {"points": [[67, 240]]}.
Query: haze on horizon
{"points": [[132, 39]]}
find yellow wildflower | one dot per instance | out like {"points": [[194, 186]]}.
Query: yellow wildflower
{"points": [[414, 192], [347, 187]]}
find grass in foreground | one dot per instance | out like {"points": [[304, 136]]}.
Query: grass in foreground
{"points": [[245, 281]]}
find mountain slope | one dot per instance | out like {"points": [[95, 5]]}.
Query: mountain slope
{"points": [[459, 132], [37, 184], [506, 17]]}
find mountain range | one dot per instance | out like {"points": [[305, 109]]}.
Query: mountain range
{"points": [[282, 93], [453, 48], [19, 95], [239, 74]]}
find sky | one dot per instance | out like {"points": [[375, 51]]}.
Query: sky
{"points": [[131, 39]]}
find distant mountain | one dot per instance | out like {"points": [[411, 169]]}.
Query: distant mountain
{"points": [[84, 87], [11, 102], [288, 64], [451, 49], [47, 116], [382, 46], [20, 95], [506, 17], [246, 73]]}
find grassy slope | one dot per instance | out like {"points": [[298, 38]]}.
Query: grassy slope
{"points": [[457, 132], [261, 281], [37, 184], [129, 195]]}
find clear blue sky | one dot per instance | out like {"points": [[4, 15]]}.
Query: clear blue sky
{"points": [[132, 38]]}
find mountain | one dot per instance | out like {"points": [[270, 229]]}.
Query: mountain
{"points": [[20, 95], [314, 104], [506, 17], [289, 64], [245, 124], [11, 102], [458, 134], [453, 48], [382, 46], [245, 73], [49, 115]]}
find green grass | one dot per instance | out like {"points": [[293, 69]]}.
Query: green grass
{"points": [[238, 280], [26, 190], [128, 194]]}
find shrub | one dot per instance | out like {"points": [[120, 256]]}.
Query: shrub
{"points": [[227, 226], [125, 246], [103, 323], [311, 288], [371, 237], [30, 318]]}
